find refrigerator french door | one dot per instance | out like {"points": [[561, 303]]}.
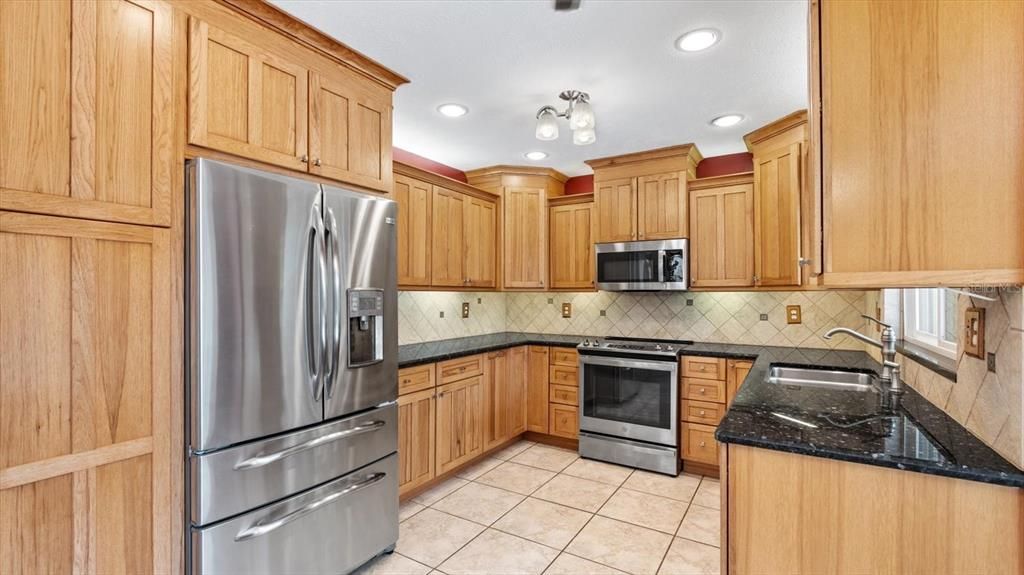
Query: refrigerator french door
{"points": [[292, 373]]}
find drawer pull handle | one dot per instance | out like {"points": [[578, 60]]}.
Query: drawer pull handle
{"points": [[702, 391], [266, 459], [702, 412], [702, 444], [268, 523]]}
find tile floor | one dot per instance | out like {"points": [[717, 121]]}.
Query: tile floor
{"points": [[535, 509]]}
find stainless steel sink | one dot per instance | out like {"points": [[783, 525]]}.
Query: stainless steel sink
{"points": [[822, 378]]}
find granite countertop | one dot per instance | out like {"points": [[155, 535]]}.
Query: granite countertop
{"points": [[844, 425]]}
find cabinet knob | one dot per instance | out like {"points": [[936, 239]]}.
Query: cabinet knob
{"points": [[702, 391], [304, 159], [316, 162], [702, 412], [702, 444]]}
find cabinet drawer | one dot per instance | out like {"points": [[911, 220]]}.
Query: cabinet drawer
{"points": [[459, 369], [564, 394], [704, 367], [704, 390], [415, 378], [564, 356], [563, 420], [699, 443], [563, 375], [702, 412]]}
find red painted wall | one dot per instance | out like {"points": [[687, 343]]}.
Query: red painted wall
{"points": [[579, 185], [727, 164], [400, 155]]}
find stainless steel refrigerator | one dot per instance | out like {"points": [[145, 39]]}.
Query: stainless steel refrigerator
{"points": [[292, 440]]}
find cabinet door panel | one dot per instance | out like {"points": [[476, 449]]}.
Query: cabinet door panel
{"points": [[515, 403], [97, 136], [572, 245], [447, 254], [481, 243], [244, 100], [616, 205], [459, 423], [414, 214], [777, 182], [661, 206], [722, 239], [525, 237], [495, 392], [416, 420], [537, 390]]}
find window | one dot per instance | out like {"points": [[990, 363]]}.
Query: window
{"points": [[930, 319]]}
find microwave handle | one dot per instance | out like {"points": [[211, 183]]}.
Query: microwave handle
{"points": [[661, 266]]}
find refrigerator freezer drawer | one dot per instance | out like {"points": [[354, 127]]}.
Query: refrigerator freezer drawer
{"points": [[228, 482], [331, 529]]}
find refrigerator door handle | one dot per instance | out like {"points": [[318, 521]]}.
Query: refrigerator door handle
{"points": [[266, 459], [336, 306], [312, 341], [269, 522]]}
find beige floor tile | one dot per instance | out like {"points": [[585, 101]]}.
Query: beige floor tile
{"points": [[708, 494], [576, 492], [643, 509], [701, 524], [408, 509], [513, 450], [480, 503], [687, 557], [680, 488], [522, 479], [431, 536], [598, 471], [545, 457], [497, 552], [394, 564], [439, 491], [479, 468], [567, 564], [624, 546], [544, 522]]}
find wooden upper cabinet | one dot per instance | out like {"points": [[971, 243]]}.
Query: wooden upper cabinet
{"points": [[414, 200], [922, 147], [572, 245], [448, 238], [661, 206], [349, 131], [85, 94], [525, 237], [245, 100], [84, 395], [777, 185], [616, 205], [480, 242], [721, 232]]}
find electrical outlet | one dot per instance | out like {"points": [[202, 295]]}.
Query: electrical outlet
{"points": [[479, 300], [566, 309], [689, 302], [764, 317], [793, 314], [992, 362], [465, 309]]}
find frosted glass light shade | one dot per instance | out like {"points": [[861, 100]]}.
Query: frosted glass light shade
{"points": [[547, 126], [584, 137], [582, 117]]}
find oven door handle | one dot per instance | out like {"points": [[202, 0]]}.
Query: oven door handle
{"points": [[668, 366]]}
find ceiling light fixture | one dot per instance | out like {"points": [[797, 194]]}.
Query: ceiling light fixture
{"points": [[697, 40], [536, 156], [452, 110], [727, 120], [580, 116]]}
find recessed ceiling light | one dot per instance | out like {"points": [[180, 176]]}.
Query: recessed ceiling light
{"points": [[452, 110], [727, 120], [697, 40], [536, 156]]}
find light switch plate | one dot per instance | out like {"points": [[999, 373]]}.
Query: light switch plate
{"points": [[465, 309], [793, 314], [566, 309]]}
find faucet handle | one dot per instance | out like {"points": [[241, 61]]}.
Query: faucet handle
{"points": [[881, 323]]}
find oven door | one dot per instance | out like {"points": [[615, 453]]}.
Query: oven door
{"points": [[630, 398], [636, 266]]}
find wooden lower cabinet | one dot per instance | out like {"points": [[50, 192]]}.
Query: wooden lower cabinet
{"points": [[85, 394], [518, 371], [417, 416], [699, 443], [495, 417], [831, 516], [564, 420], [460, 413], [537, 389], [736, 372]]}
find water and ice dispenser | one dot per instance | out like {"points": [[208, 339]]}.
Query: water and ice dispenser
{"points": [[365, 327]]}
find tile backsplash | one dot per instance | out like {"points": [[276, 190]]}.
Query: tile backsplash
{"points": [[756, 318]]}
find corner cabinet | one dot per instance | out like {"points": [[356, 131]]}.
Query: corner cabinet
{"points": [[643, 196], [571, 237], [279, 104], [722, 232], [86, 95], [921, 149]]}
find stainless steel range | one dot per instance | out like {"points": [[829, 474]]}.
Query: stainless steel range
{"points": [[629, 390]]}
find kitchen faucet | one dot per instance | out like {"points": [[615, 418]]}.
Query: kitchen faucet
{"points": [[890, 369]]}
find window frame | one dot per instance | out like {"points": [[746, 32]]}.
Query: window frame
{"points": [[910, 333]]}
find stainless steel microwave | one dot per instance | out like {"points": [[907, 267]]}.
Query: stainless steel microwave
{"points": [[643, 266]]}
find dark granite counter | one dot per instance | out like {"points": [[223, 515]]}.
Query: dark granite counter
{"points": [[844, 425]]}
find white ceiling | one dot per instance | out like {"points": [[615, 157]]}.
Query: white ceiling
{"points": [[506, 59]]}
